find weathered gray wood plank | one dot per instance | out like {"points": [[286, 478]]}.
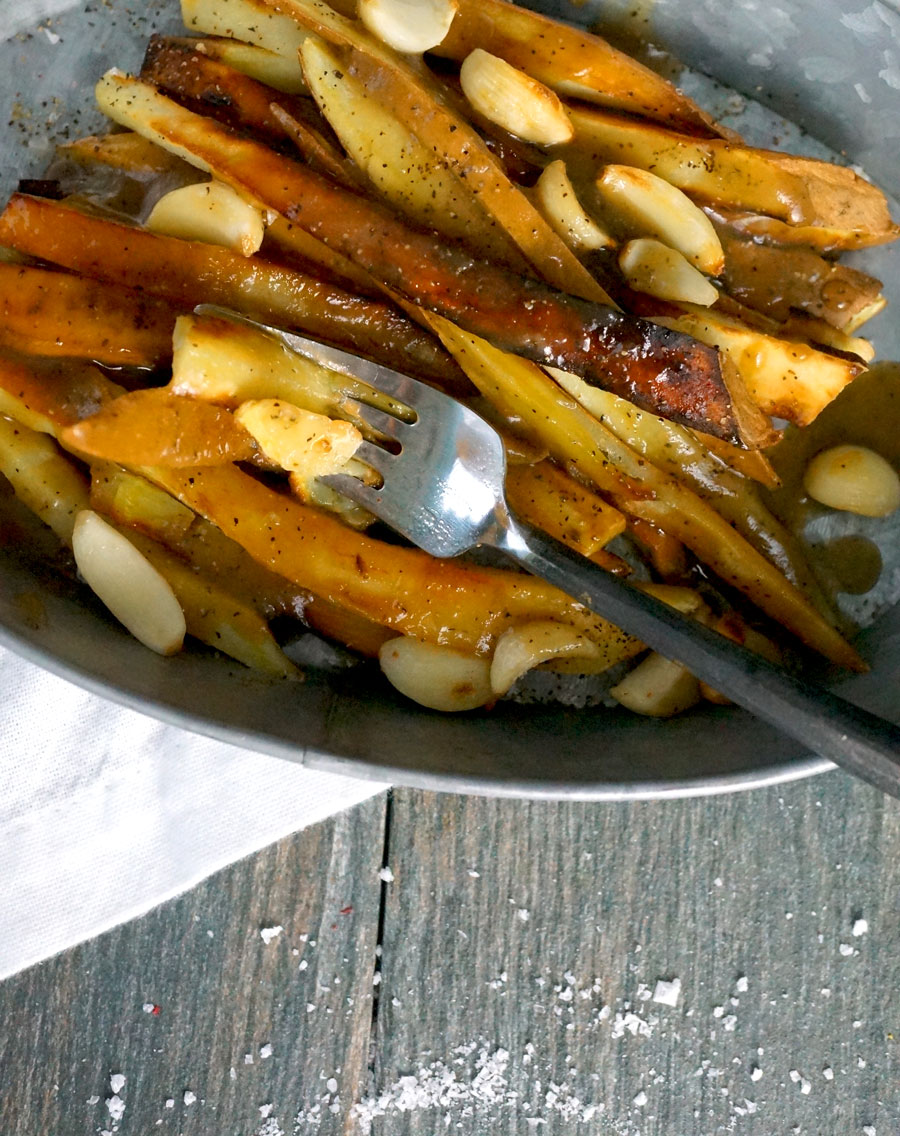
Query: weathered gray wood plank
{"points": [[577, 910], [222, 993]]}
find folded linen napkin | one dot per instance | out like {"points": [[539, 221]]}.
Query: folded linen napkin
{"points": [[105, 813]]}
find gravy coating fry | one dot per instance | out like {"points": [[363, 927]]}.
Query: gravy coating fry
{"points": [[523, 392], [52, 313], [188, 273], [672, 375]]}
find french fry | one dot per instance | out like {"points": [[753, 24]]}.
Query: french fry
{"points": [[547, 497], [46, 393], [188, 273], [730, 175], [400, 168], [456, 604], [523, 393], [52, 313], [676, 377], [127, 151], [821, 238], [416, 102], [44, 479], [131, 500], [156, 427], [820, 332], [680, 453], [778, 280], [786, 379], [249, 20], [571, 61], [277, 71], [355, 631]]}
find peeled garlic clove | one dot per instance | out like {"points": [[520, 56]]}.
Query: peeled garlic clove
{"points": [[128, 584], [410, 26], [558, 201], [657, 688], [853, 479], [212, 212], [522, 648], [437, 677], [513, 100], [646, 205], [658, 270]]}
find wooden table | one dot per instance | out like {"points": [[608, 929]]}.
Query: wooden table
{"points": [[502, 956]]}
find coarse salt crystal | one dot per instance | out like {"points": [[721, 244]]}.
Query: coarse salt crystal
{"points": [[170, 1102], [718, 1011], [265, 1051], [92, 1100], [116, 1107], [148, 1007], [117, 1082], [860, 1063], [756, 1073], [828, 1073], [248, 1058], [189, 1097], [474, 875], [742, 985], [794, 1075], [232, 1073], [267, 934], [869, 1129], [805, 1086], [386, 875], [331, 1085], [265, 1111], [523, 914], [729, 1023], [860, 927], [667, 993], [640, 1100], [845, 949], [303, 964]]}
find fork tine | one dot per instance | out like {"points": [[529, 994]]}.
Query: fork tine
{"points": [[378, 420], [374, 456], [353, 488]]}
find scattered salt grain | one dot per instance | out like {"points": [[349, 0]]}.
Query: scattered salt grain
{"points": [[148, 1007], [92, 1100], [640, 1100], [386, 875], [630, 1022], [729, 1023], [248, 1058], [170, 1103], [860, 1063], [331, 1085], [189, 1097], [845, 949], [116, 1107], [805, 1086], [267, 934], [794, 1075], [869, 1129], [742, 985], [756, 1073], [303, 964], [474, 875], [265, 1051], [523, 914], [667, 993], [860, 927], [232, 1073], [828, 1073], [265, 1111], [718, 1011]]}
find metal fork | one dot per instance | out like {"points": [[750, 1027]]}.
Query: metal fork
{"points": [[443, 472]]}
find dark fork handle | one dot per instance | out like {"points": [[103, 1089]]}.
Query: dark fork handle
{"points": [[860, 742]]}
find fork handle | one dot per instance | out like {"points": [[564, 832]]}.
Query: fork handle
{"points": [[860, 742]]}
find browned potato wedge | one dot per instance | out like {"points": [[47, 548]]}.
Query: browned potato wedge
{"points": [[44, 479]]}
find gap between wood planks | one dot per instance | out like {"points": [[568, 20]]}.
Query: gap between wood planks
{"points": [[379, 936]]}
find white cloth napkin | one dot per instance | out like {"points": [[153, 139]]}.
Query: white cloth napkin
{"points": [[105, 813]]}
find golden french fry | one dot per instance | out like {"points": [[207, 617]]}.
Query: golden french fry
{"points": [[48, 393], [251, 20], [822, 238], [44, 479], [127, 151], [279, 71]]}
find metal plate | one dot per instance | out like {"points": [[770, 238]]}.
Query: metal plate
{"points": [[815, 61]]}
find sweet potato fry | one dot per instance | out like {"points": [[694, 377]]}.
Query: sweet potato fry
{"points": [[571, 61], [522, 392], [129, 152], [53, 313], [675, 377], [188, 273], [48, 393], [450, 602], [156, 427]]}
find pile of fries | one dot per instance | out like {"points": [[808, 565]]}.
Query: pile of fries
{"points": [[496, 203]]}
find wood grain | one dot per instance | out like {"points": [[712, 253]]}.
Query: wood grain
{"points": [[222, 993], [575, 907]]}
